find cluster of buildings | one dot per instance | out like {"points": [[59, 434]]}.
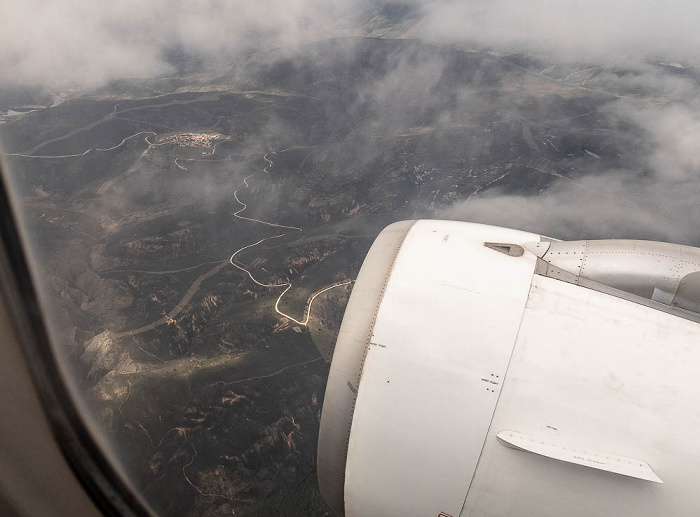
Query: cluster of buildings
{"points": [[193, 139]]}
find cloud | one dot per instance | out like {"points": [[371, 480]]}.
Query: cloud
{"points": [[592, 29], [655, 197], [656, 200], [611, 206], [86, 43], [81, 42], [674, 133]]}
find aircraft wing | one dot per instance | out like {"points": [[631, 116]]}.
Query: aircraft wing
{"points": [[488, 371]]}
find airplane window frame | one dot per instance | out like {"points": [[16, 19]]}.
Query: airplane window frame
{"points": [[90, 465]]}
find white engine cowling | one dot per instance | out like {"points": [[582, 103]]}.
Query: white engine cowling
{"points": [[469, 379]]}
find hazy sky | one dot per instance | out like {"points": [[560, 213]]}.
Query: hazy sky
{"points": [[84, 42]]}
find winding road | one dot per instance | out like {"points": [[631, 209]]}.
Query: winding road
{"points": [[196, 285], [109, 116], [286, 285], [194, 288], [244, 206], [46, 156]]}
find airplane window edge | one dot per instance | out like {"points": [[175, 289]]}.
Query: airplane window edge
{"points": [[100, 480]]}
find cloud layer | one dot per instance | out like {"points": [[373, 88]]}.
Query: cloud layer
{"points": [[86, 43], [591, 29], [655, 198], [81, 42]]}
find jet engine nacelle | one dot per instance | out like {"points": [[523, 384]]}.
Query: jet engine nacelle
{"points": [[488, 371]]}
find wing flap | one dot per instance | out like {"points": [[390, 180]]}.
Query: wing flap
{"points": [[630, 467]]}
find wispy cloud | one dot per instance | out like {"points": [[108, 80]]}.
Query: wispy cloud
{"points": [[655, 198], [85, 43], [80, 42], [595, 29]]}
